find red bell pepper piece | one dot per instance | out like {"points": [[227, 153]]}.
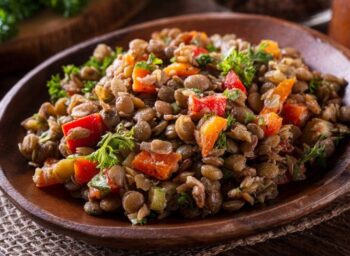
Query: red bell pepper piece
{"points": [[211, 104], [294, 113], [156, 165], [232, 81], [93, 123], [84, 170], [198, 51]]}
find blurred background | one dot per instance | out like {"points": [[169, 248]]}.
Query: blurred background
{"points": [[33, 30]]}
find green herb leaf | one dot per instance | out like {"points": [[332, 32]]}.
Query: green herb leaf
{"points": [[102, 65], [144, 65], [55, 89], [232, 94], [204, 59], [110, 146], [314, 84], [88, 86], [230, 120], [100, 182], [153, 60], [221, 143], [69, 70], [314, 153], [185, 200], [211, 48], [240, 62], [249, 117]]}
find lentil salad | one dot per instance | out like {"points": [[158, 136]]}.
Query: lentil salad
{"points": [[184, 124]]}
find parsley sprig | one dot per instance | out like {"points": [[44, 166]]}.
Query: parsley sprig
{"points": [[110, 146], [316, 152], [244, 63]]}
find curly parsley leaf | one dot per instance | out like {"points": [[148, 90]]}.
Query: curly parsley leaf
{"points": [[102, 65], [232, 94], [185, 200], [244, 63], [316, 153], [88, 86], [314, 84], [221, 143], [241, 63], [204, 59], [153, 60], [211, 48], [69, 70], [110, 146], [55, 89]]}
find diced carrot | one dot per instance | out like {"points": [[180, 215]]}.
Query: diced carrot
{"points": [[137, 85], [156, 165], [209, 133], [271, 123], [84, 170], [180, 69], [294, 113], [283, 90], [271, 48]]}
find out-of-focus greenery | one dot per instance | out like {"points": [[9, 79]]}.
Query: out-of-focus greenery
{"points": [[12, 12]]}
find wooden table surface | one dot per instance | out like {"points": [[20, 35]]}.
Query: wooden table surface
{"points": [[328, 238]]}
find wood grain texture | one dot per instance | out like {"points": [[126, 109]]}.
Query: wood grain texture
{"points": [[47, 33], [307, 197]]}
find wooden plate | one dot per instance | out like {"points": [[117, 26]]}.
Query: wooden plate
{"points": [[54, 209]]}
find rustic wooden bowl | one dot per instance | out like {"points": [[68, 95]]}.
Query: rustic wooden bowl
{"points": [[54, 208]]}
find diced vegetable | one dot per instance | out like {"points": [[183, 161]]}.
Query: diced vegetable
{"points": [[209, 133], [198, 51], [294, 113], [141, 71], [232, 81], [110, 146], [274, 102], [157, 199], [99, 186], [270, 122], [53, 172], [211, 104], [93, 123], [84, 170], [180, 69], [156, 165], [271, 47]]}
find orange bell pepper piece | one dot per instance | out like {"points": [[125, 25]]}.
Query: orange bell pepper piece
{"points": [[138, 86], [271, 123], [209, 133], [159, 166], [294, 113], [181, 69], [84, 170], [283, 90], [271, 48]]}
